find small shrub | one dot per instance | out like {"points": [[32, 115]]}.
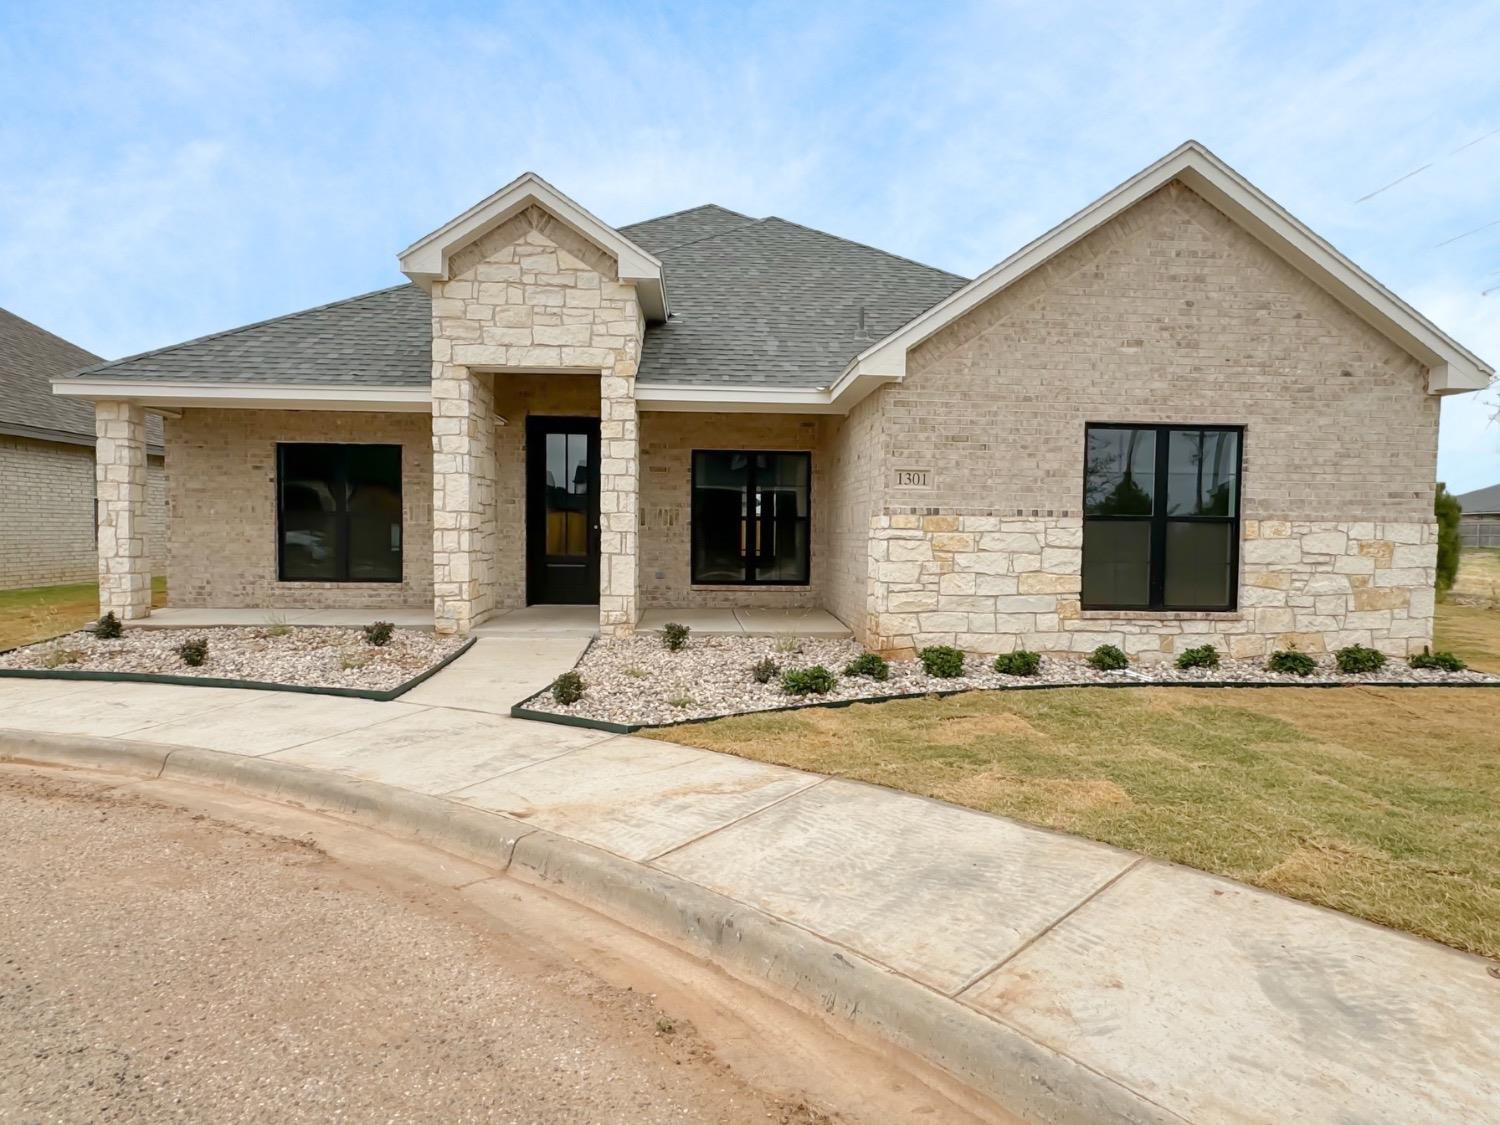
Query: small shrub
{"points": [[568, 688], [870, 665], [1440, 661], [816, 680], [765, 670], [60, 656], [193, 651], [681, 701], [1291, 662], [1204, 656], [942, 661], [378, 633], [1108, 658], [1357, 658], [787, 646], [674, 636], [1018, 663], [108, 627], [352, 659]]}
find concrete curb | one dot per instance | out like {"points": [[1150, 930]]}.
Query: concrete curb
{"points": [[1026, 1077]]}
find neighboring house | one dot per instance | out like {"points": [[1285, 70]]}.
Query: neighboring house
{"points": [[47, 526], [1178, 417], [1480, 524]]}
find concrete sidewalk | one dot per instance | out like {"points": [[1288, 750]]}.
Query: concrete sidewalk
{"points": [[1195, 998]]}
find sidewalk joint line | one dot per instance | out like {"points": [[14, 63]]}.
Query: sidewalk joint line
{"points": [[730, 824]]}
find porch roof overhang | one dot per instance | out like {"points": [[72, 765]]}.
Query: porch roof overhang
{"points": [[426, 260], [177, 395]]}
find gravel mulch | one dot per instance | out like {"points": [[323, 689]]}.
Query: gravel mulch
{"points": [[638, 681], [302, 656]]}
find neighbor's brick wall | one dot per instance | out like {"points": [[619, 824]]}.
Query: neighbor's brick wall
{"points": [[221, 495], [1170, 313], [47, 513], [667, 442]]}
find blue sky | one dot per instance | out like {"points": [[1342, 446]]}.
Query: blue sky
{"points": [[171, 171]]}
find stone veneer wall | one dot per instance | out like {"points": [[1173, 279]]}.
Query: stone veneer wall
{"points": [[1168, 314], [221, 497], [667, 442], [530, 295], [48, 534]]}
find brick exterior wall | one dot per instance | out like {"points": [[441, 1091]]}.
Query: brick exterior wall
{"points": [[667, 442], [855, 471], [1170, 313], [47, 495], [221, 499]]}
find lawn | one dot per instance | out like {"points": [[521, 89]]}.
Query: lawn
{"points": [[40, 612], [1478, 575], [1384, 803]]}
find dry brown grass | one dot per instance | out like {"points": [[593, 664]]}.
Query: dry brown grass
{"points": [[40, 612], [1478, 576], [1384, 803]]}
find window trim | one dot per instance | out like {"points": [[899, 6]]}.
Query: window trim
{"points": [[341, 547], [1159, 520], [694, 579]]}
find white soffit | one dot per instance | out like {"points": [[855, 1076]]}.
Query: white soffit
{"points": [[267, 396], [1452, 368], [426, 260]]}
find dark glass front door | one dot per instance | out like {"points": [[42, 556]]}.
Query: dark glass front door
{"points": [[562, 511]]}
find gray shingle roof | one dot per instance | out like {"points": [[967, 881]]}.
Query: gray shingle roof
{"points": [[30, 357], [1482, 501], [755, 302]]}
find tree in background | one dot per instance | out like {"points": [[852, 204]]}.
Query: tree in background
{"points": [[1447, 509]]}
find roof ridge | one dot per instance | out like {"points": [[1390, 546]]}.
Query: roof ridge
{"points": [[93, 368], [688, 210], [48, 332], [866, 246]]}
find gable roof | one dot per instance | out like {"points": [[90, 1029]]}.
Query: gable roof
{"points": [[1482, 501], [30, 357], [1451, 366]]}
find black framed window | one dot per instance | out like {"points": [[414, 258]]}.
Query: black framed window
{"points": [[1161, 517], [338, 512], [751, 514]]}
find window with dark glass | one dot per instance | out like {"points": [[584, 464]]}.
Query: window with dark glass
{"points": [[750, 517], [1161, 517], [339, 512]]}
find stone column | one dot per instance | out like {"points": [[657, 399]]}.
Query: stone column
{"points": [[619, 492], [462, 460], [120, 473]]}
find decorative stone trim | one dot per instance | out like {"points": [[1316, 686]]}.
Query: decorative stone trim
{"points": [[120, 475]]}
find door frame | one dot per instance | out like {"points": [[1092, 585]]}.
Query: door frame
{"points": [[537, 427]]}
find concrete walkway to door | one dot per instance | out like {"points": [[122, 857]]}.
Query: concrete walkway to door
{"points": [[1191, 997]]}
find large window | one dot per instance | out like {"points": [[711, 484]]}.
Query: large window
{"points": [[750, 518], [339, 512], [1161, 517]]}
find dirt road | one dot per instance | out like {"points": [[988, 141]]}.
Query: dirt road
{"points": [[185, 955]]}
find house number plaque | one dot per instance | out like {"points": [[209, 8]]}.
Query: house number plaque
{"points": [[913, 478]]}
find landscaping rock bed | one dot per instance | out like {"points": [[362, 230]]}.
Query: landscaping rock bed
{"points": [[640, 682], [300, 656]]}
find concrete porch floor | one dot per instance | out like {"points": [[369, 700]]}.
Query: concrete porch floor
{"points": [[533, 621]]}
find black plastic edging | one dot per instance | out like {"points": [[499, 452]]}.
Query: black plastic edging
{"points": [[521, 711], [219, 681]]}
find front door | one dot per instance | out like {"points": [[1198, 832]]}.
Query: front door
{"points": [[562, 511]]}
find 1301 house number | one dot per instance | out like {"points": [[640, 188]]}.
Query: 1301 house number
{"points": [[913, 478]]}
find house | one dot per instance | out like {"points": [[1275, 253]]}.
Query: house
{"points": [[47, 519], [1179, 417], [1479, 526]]}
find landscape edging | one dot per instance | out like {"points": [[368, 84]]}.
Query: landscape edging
{"points": [[379, 696], [1024, 1076]]}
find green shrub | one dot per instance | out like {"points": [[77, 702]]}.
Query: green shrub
{"points": [[1448, 510], [378, 633], [568, 688], [674, 636], [942, 661], [1018, 663], [765, 670], [1291, 662], [1204, 656], [194, 651], [816, 680], [870, 665], [108, 627], [1108, 658], [1357, 658], [1440, 661]]}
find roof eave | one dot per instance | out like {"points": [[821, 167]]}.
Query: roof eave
{"points": [[172, 394]]}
